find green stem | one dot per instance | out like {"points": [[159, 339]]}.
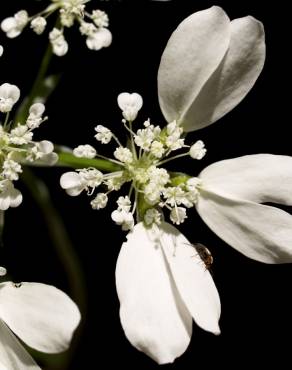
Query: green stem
{"points": [[24, 108], [69, 160], [60, 241]]}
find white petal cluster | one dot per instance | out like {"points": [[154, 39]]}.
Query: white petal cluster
{"points": [[94, 26], [17, 146], [152, 183]]}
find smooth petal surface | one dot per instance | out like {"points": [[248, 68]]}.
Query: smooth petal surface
{"points": [[259, 232], [193, 52], [41, 315], [72, 183], [233, 78], [153, 316], [259, 178], [192, 279], [12, 355]]}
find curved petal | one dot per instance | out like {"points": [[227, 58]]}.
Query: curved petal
{"points": [[153, 316], [41, 315], [258, 178], [193, 52], [192, 279], [12, 355], [233, 78], [259, 232]]}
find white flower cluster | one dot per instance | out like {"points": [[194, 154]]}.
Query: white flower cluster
{"points": [[17, 145], [92, 25], [152, 187]]}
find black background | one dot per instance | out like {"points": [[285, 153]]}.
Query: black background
{"points": [[256, 304]]}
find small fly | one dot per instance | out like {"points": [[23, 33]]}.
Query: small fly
{"points": [[204, 254], [17, 285]]}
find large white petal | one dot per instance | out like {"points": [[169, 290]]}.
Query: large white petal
{"points": [[192, 279], [153, 316], [41, 315], [258, 178], [12, 354], [193, 52], [233, 78], [260, 232]]}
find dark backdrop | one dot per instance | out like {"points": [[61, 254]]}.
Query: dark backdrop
{"points": [[256, 303]]}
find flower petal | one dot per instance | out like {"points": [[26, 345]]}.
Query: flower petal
{"points": [[192, 279], [258, 178], [260, 232], [192, 54], [12, 355], [234, 77], [153, 316], [41, 315]]}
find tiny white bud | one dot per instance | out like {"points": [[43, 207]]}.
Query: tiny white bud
{"points": [[84, 151], [100, 201], [38, 25], [198, 150]]}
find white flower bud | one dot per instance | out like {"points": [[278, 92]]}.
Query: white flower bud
{"points": [[84, 151], [104, 135], [198, 150], [58, 42], [100, 201], [178, 215], [124, 155], [152, 216], [100, 18], [38, 25]]}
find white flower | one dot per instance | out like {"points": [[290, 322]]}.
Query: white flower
{"points": [[100, 18], [42, 316], [1, 50], [124, 155], [9, 94], [13, 26], [104, 135], [123, 218], [9, 196], [157, 149], [178, 215], [101, 38], [74, 183], [124, 204], [198, 150], [20, 135], [58, 42], [42, 153], [38, 25], [162, 285], [85, 151], [130, 104], [11, 169], [35, 115], [152, 216], [100, 201]]}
